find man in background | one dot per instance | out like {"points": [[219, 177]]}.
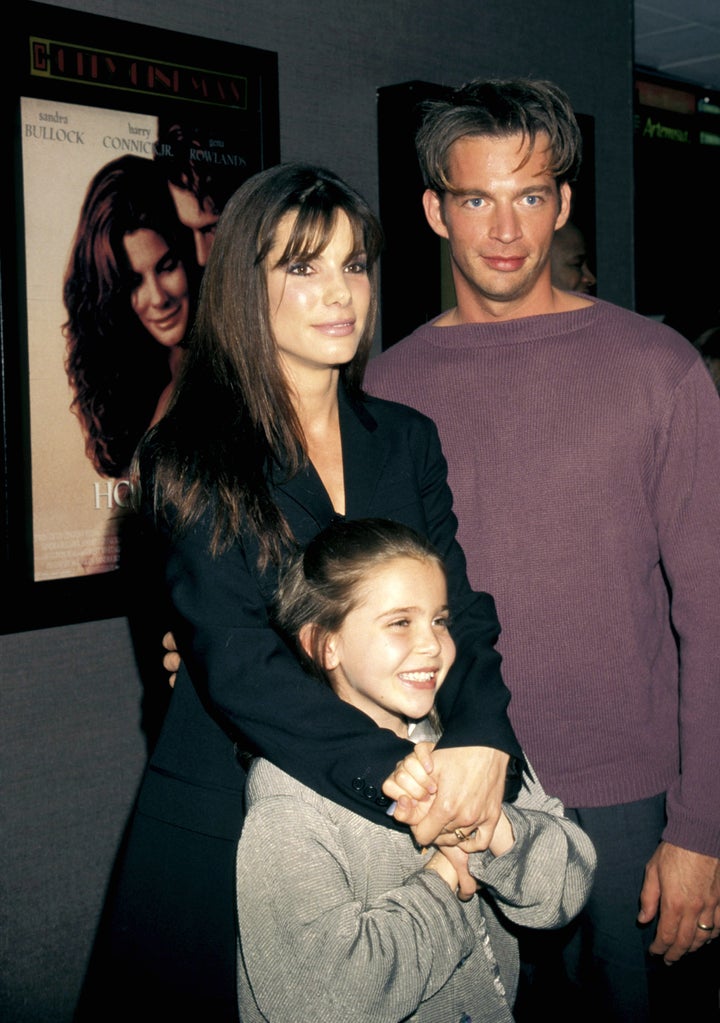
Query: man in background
{"points": [[583, 444], [569, 268], [199, 187]]}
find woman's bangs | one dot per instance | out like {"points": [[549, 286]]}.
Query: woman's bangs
{"points": [[311, 232], [313, 229]]}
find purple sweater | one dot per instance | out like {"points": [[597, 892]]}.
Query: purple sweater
{"points": [[584, 458]]}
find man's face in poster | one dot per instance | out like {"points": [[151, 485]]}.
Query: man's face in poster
{"points": [[201, 219]]}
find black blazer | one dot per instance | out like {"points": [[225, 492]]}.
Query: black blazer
{"points": [[240, 685]]}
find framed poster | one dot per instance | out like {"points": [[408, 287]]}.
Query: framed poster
{"points": [[127, 141]]}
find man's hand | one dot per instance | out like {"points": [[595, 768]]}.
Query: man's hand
{"points": [[172, 659], [684, 887], [470, 787]]}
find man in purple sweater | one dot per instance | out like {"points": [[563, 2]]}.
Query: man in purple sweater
{"points": [[583, 444]]}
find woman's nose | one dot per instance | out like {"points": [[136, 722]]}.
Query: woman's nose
{"points": [[156, 294], [337, 290]]}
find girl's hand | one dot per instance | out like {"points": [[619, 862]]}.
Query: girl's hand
{"points": [[442, 866], [503, 837], [466, 883], [411, 784]]}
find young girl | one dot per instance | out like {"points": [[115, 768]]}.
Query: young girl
{"points": [[340, 918]]}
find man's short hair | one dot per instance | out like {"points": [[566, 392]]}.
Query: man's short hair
{"points": [[498, 109], [184, 153]]}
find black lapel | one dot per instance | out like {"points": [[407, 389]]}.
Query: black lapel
{"points": [[364, 456], [304, 490]]}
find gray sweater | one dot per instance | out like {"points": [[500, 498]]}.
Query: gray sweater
{"points": [[339, 921]]}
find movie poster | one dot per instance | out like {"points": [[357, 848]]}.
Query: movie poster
{"points": [[76, 511], [127, 142], [78, 501]]}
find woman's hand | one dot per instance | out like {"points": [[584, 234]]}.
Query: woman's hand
{"points": [[172, 659], [471, 786], [465, 807]]}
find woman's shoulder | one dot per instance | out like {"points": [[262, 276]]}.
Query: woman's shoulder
{"points": [[396, 431], [397, 413]]}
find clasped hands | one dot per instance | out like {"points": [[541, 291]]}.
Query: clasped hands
{"points": [[452, 799]]}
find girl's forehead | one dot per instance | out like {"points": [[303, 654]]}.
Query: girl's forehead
{"points": [[403, 577]]}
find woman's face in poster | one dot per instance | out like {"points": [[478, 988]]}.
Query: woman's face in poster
{"points": [[160, 294]]}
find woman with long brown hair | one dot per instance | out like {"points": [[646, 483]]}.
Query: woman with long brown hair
{"points": [[130, 292], [268, 438]]}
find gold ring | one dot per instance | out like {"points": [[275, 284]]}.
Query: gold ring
{"points": [[461, 836], [703, 927]]}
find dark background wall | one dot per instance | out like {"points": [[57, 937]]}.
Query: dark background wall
{"points": [[72, 747]]}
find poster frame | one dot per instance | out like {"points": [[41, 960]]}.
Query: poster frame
{"points": [[70, 57]]}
